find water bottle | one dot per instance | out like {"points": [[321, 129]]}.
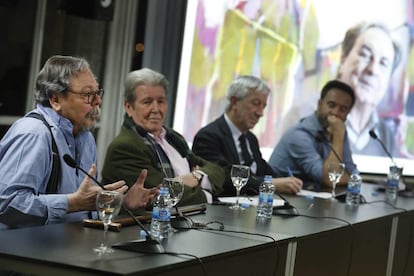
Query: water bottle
{"points": [[354, 189], [393, 179], [265, 206], [161, 215]]}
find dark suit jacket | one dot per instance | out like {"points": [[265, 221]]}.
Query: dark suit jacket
{"points": [[127, 155], [214, 143]]}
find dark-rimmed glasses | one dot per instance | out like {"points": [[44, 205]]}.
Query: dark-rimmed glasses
{"points": [[90, 96]]}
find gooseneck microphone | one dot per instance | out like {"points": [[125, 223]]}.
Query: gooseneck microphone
{"points": [[407, 192], [181, 218], [141, 131], [374, 136], [72, 163], [149, 245], [322, 139]]}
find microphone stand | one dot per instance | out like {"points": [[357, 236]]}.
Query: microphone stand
{"points": [[149, 245], [408, 191], [181, 221], [286, 209]]}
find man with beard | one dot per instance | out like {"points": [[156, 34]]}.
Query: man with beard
{"points": [[33, 189], [223, 140], [307, 148]]}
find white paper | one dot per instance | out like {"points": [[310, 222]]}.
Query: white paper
{"points": [[307, 193], [253, 201]]}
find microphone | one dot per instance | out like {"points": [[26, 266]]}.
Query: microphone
{"points": [[149, 245], [183, 152], [144, 133], [374, 136], [407, 192], [72, 163], [322, 139], [286, 209]]}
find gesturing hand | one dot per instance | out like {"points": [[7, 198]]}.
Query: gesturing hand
{"points": [[84, 199], [138, 196]]}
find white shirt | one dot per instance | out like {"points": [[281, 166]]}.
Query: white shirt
{"points": [[236, 134]]}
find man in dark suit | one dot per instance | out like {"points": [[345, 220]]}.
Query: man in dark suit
{"points": [[145, 143], [228, 140]]}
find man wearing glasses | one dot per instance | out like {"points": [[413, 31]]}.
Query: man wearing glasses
{"points": [[67, 99]]}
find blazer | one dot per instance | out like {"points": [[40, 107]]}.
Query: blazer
{"points": [[215, 143], [127, 155]]}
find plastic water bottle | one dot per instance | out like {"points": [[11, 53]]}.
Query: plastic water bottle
{"points": [[354, 189], [161, 215], [393, 179], [265, 206]]}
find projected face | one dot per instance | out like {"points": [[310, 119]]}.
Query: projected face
{"points": [[368, 66]]}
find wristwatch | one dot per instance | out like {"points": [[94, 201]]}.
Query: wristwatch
{"points": [[198, 175]]}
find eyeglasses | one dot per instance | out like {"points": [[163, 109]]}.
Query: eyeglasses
{"points": [[90, 96]]}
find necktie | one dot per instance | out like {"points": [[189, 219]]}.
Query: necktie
{"points": [[245, 153]]}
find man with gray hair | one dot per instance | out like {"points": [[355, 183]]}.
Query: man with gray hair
{"points": [[145, 143], [36, 186], [228, 140], [369, 57]]}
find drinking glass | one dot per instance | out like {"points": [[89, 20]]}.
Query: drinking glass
{"points": [[176, 188], [108, 204], [335, 172], [239, 176]]}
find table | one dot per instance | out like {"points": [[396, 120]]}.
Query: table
{"points": [[67, 248], [329, 238], [335, 240]]}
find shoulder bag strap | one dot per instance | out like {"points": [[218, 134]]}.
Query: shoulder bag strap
{"points": [[52, 185]]}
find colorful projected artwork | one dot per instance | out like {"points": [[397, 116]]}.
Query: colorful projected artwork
{"points": [[295, 45]]}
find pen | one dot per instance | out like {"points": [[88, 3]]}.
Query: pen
{"points": [[289, 172]]}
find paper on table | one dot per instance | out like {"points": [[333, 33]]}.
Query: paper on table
{"points": [[249, 200], [307, 193]]}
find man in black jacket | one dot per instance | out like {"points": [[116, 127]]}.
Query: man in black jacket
{"points": [[228, 140]]}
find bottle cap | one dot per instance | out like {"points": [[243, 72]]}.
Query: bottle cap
{"points": [[245, 205], [267, 178], [142, 234]]}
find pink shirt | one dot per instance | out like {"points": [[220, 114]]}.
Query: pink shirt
{"points": [[180, 164]]}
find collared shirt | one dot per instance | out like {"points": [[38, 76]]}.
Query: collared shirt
{"points": [[361, 139], [236, 134], [25, 166], [362, 143], [300, 151], [180, 164]]}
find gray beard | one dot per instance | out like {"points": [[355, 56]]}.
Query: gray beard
{"points": [[91, 119]]}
